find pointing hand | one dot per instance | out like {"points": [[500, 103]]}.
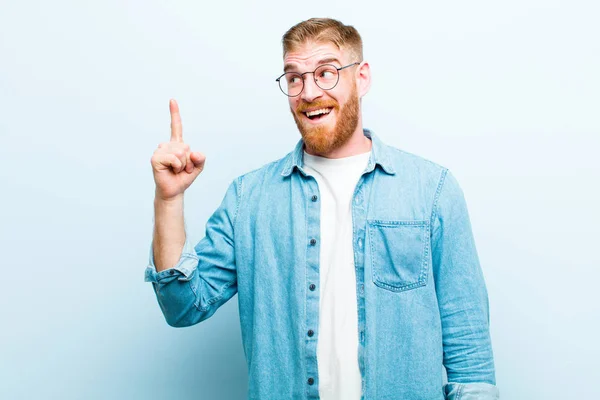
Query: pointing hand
{"points": [[174, 165]]}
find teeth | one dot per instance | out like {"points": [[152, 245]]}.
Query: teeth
{"points": [[317, 112]]}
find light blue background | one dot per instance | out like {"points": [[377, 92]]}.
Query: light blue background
{"points": [[505, 94]]}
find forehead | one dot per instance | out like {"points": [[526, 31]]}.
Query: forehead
{"points": [[309, 54]]}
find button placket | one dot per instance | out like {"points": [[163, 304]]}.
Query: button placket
{"points": [[313, 212], [359, 214], [358, 199]]}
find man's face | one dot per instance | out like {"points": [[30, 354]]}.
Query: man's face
{"points": [[326, 132]]}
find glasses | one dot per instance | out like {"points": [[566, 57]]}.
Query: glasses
{"points": [[326, 76]]}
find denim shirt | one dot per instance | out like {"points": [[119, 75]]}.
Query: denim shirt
{"points": [[421, 296]]}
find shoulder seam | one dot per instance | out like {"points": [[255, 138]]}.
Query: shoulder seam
{"points": [[240, 188], [437, 195]]}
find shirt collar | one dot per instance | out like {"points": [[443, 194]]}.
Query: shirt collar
{"points": [[379, 156]]}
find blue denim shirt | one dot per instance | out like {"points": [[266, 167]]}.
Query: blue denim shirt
{"points": [[421, 295]]}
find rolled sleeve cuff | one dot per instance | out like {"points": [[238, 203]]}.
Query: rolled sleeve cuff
{"points": [[471, 391], [183, 270]]}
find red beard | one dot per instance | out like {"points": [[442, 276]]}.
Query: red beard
{"points": [[320, 139]]}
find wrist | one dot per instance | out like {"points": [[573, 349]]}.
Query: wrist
{"points": [[175, 200]]}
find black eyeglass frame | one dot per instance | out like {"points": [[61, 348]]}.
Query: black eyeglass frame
{"points": [[278, 80]]}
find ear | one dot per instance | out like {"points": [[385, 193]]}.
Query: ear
{"points": [[363, 78]]}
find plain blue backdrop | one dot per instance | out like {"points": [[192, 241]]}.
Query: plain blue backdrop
{"points": [[505, 94]]}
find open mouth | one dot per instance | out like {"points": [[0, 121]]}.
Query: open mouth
{"points": [[319, 114]]}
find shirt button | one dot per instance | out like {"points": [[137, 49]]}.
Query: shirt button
{"points": [[313, 242], [311, 381], [360, 243], [171, 272], [312, 286], [314, 198], [358, 199], [361, 289], [310, 333]]}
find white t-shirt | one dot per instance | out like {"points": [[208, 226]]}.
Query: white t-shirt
{"points": [[337, 345]]}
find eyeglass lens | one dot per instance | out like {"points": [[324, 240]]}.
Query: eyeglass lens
{"points": [[325, 76]]}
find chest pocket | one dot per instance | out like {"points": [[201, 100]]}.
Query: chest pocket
{"points": [[399, 254]]}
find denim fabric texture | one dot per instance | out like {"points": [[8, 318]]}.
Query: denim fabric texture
{"points": [[422, 299]]}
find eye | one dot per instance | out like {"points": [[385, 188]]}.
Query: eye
{"points": [[293, 79]]}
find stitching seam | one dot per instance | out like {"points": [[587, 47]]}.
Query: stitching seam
{"points": [[437, 197]]}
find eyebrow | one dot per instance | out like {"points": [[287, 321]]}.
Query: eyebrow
{"points": [[328, 60]]}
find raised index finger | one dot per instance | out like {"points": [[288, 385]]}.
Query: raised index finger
{"points": [[176, 129]]}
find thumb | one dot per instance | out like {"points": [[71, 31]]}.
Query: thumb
{"points": [[198, 159]]}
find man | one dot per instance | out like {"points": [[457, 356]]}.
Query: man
{"points": [[354, 262]]}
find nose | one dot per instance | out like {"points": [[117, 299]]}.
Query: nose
{"points": [[311, 91]]}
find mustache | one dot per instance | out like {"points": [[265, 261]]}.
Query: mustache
{"points": [[302, 107]]}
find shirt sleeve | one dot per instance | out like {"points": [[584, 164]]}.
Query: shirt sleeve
{"points": [[205, 276], [471, 391], [462, 298]]}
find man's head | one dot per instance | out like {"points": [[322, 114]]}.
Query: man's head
{"points": [[326, 111]]}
